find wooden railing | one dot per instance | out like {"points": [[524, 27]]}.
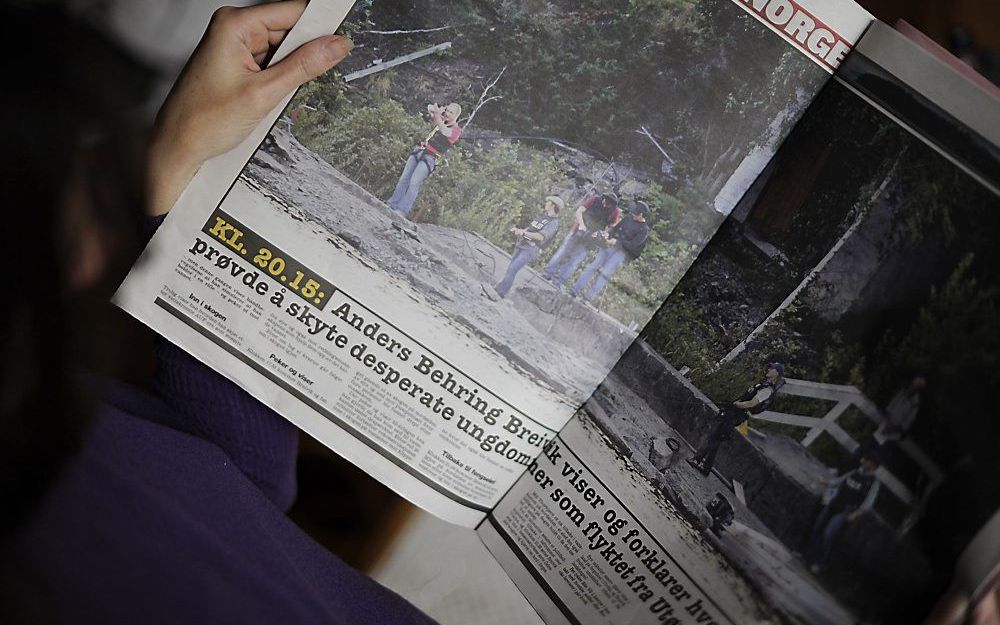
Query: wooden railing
{"points": [[843, 398]]}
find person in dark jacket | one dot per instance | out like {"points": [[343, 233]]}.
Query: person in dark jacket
{"points": [[531, 240], [120, 504], [846, 499], [424, 158], [754, 400], [623, 243], [593, 218]]}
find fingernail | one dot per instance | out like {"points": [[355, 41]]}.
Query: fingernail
{"points": [[339, 47]]}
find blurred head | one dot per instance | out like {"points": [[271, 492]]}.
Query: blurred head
{"points": [[554, 204], [870, 457], [609, 199], [452, 112], [640, 210], [775, 370], [917, 384], [72, 161]]}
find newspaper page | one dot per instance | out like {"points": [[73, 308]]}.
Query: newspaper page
{"points": [[804, 433], [430, 263]]}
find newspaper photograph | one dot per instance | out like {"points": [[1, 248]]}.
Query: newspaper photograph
{"points": [[799, 435], [430, 262]]}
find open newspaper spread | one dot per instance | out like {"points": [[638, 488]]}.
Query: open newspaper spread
{"points": [[469, 267], [802, 432]]}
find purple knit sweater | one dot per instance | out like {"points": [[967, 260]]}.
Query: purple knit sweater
{"points": [[174, 513]]}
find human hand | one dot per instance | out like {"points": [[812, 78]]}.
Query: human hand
{"points": [[222, 93]]}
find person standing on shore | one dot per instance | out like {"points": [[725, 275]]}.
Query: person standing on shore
{"points": [[846, 499], [625, 243], [424, 158], [530, 241], [754, 401], [595, 215]]}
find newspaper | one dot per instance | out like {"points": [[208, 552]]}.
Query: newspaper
{"points": [[859, 307], [474, 276]]}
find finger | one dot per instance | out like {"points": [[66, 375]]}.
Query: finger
{"points": [[263, 50], [261, 41], [275, 16], [987, 611], [274, 37], [304, 64], [260, 27]]}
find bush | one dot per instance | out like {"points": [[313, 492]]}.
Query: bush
{"points": [[367, 143], [490, 191]]}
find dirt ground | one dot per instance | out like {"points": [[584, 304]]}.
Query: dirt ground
{"points": [[751, 553]]}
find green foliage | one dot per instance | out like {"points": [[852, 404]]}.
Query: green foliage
{"points": [[954, 340], [842, 362], [678, 331], [929, 200], [489, 191], [368, 143], [680, 224], [592, 71], [359, 18]]}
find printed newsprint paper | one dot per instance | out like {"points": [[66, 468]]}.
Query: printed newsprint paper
{"points": [[372, 312], [578, 298], [802, 432], [440, 265]]}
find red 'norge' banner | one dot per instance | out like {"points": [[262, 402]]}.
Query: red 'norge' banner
{"points": [[801, 28]]}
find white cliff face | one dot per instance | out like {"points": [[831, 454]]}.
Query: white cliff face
{"points": [[757, 159]]}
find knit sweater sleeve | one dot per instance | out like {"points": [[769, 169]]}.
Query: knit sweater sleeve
{"points": [[258, 440]]}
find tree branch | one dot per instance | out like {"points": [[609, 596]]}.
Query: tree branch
{"points": [[484, 98], [405, 32]]}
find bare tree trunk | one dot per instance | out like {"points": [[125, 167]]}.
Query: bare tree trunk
{"points": [[405, 32], [368, 71]]}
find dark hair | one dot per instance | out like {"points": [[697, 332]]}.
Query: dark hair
{"points": [[65, 131], [871, 450]]}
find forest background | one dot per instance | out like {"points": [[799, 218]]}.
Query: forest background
{"points": [[568, 89]]}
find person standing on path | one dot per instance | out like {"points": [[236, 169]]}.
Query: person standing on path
{"points": [[530, 241], [593, 218], [423, 159], [754, 401], [846, 499], [625, 242]]}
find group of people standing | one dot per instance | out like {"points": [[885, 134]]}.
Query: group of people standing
{"points": [[599, 228], [598, 231]]}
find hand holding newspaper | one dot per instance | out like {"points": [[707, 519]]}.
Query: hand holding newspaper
{"points": [[741, 401], [199, 112]]}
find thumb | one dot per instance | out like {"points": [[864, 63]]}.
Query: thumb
{"points": [[305, 63]]}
